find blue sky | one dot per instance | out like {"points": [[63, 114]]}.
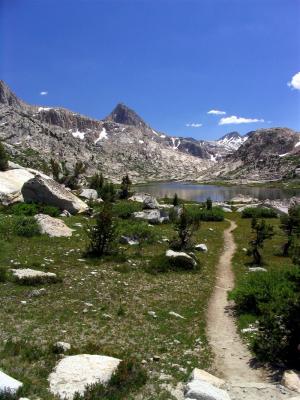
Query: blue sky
{"points": [[170, 60]]}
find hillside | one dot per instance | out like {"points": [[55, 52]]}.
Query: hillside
{"points": [[124, 143]]}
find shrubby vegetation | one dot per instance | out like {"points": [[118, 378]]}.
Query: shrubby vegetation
{"points": [[19, 226], [185, 226], [261, 231], [290, 224], [259, 212], [125, 187], [101, 235], [198, 213], [274, 299], [106, 190], [3, 158], [138, 230], [125, 208], [31, 209]]}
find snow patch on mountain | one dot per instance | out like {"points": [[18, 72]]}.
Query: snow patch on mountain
{"points": [[232, 142], [78, 134], [175, 145], [44, 109], [102, 135]]}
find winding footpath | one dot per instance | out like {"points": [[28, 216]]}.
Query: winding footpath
{"points": [[233, 361]]}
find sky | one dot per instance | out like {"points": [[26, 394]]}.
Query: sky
{"points": [[198, 68]]}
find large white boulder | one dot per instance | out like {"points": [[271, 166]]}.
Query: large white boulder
{"points": [[11, 182], [200, 374], [291, 379], [47, 191], [7, 383], [152, 216], [149, 201], [201, 390], [53, 227], [181, 257], [73, 373]]}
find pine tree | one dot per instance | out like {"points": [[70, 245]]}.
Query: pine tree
{"points": [[185, 227], [102, 234], [55, 169], [290, 224], [125, 187], [3, 158], [208, 203], [261, 232], [175, 200]]}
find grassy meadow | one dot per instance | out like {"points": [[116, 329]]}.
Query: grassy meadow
{"points": [[101, 306]]}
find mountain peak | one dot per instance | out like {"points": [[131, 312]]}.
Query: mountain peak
{"points": [[7, 96], [125, 115], [231, 135]]}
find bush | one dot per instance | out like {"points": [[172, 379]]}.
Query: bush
{"points": [[124, 209], [259, 212], [3, 158], [197, 213], [25, 226], [3, 274], [185, 227], [128, 378], [274, 298], [32, 209], [138, 230], [102, 234]]}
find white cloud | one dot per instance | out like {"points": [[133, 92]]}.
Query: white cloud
{"points": [[193, 125], [295, 82], [238, 120], [44, 93], [216, 112]]}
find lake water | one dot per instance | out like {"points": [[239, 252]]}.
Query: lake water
{"points": [[189, 191]]}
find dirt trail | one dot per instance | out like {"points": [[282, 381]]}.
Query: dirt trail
{"points": [[232, 359]]}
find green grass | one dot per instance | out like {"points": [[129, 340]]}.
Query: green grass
{"points": [[117, 323], [271, 256]]}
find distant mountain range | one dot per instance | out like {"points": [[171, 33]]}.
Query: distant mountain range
{"points": [[124, 143]]}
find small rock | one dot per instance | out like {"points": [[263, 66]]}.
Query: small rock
{"points": [[62, 347], [257, 269], [174, 314], [179, 257], [200, 374], [200, 390], [201, 247], [156, 358], [37, 292], [90, 194], [291, 380]]}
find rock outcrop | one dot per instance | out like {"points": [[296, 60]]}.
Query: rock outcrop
{"points": [[46, 191], [53, 227], [73, 373]]}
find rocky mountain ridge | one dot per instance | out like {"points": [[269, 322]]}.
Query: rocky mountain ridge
{"points": [[124, 143]]}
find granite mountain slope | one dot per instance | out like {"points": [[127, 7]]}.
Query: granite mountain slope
{"points": [[124, 143]]}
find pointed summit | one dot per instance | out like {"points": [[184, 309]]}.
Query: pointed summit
{"points": [[125, 115], [8, 98], [231, 135]]}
